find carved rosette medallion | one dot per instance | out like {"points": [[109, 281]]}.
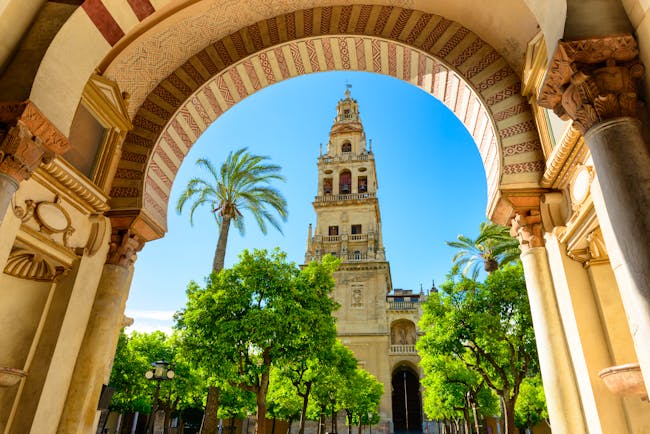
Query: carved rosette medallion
{"points": [[51, 218], [527, 228], [593, 80], [580, 185], [42, 251]]}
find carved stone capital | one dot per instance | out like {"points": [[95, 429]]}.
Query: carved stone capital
{"points": [[27, 139], [123, 247], [21, 153], [593, 80], [527, 228], [594, 253]]}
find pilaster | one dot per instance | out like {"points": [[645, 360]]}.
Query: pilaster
{"points": [[563, 398], [586, 335]]}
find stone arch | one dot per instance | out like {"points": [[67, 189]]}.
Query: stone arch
{"points": [[440, 56]]}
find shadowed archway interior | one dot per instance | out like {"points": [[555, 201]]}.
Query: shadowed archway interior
{"points": [[407, 401]]}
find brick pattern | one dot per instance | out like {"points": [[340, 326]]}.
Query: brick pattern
{"points": [[180, 107]]}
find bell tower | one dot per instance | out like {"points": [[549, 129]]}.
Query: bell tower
{"points": [[348, 225]]}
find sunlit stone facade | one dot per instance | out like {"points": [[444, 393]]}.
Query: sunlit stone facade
{"points": [[380, 330]]}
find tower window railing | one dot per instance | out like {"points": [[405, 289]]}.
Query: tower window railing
{"points": [[340, 197], [331, 238], [357, 256], [358, 237], [402, 305], [345, 157]]}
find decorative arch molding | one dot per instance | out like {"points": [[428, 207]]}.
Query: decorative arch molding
{"points": [[405, 364], [439, 56]]}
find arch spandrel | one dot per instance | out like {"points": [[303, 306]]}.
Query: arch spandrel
{"points": [[435, 54]]}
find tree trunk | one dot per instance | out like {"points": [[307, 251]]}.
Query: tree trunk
{"points": [[210, 423], [490, 265], [349, 416], [168, 419], [118, 424], [466, 420], [509, 415], [475, 413], [303, 414], [134, 425], [220, 252], [321, 421], [260, 395]]}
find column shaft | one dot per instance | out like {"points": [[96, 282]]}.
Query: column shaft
{"points": [[562, 396], [8, 187], [97, 351], [622, 163]]}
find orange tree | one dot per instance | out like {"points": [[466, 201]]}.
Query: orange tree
{"points": [[261, 312], [487, 327]]}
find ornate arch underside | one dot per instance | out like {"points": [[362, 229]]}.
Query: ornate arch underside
{"points": [[435, 54]]}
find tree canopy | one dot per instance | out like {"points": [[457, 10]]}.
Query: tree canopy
{"points": [[243, 183], [492, 248], [486, 327], [133, 392], [260, 312]]}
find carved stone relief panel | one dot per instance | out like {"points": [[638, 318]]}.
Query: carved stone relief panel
{"points": [[357, 295]]}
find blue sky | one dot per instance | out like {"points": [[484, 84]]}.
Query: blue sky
{"points": [[431, 184]]}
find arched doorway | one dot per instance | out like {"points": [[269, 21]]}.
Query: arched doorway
{"points": [[406, 400]]}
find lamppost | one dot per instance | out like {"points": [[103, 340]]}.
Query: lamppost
{"points": [[160, 372]]}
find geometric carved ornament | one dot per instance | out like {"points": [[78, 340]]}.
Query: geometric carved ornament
{"points": [[26, 264]]}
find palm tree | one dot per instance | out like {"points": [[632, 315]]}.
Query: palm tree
{"points": [[241, 184], [492, 248]]}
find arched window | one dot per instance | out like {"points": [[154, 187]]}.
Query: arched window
{"points": [[345, 182], [363, 184], [346, 147], [327, 186]]}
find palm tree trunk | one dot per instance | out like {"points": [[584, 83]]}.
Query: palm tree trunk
{"points": [[220, 252]]}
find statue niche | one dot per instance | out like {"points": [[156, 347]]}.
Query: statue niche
{"points": [[402, 333]]}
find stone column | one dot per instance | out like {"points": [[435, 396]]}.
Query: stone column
{"points": [[562, 395], [594, 82], [26, 139], [100, 340]]}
